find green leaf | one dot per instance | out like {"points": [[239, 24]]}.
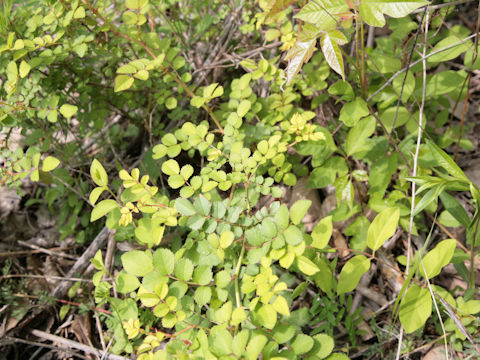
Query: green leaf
{"points": [[52, 116], [184, 269], [469, 307], [197, 101], [98, 173], [24, 69], [68, 110], [446, 162], [290, 179], [202, 295], [226, 239], [322, 347], [184, 207], [338, 356], [455, 208], [135, 4], [281, 305], [64, 309], [203, 275], [402, 115], [123, 82], [322, 232], [81, 49], [138, 263], [255, 346], [35, 175], [298, 210], [382, 227], [332, 53], [222, 279], [359, 133], [239, 342], [351, 273], [79, 13], [415, 308], [170, 167], [307, 266], [50, 163], [283, 333], [267, 316], [302, 344], [243, 108], [164, 261], [176, 181], [126, 283], [238, 315], [444, 82], [171, 103], [202, 205], [281, 217], [429, 197], [103, 208], [372, 10], [293, 235], [141, 75], [196, 222], [127, 69], [353, 111], [437, 258], [95, 194], [223, 314], [222, 344], [322, 13], [452, 52], [12, 71]]}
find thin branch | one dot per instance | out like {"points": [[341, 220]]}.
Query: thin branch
{"points": [[439, 6], [12, 340], [399, 72], [415, 165], [76, 345]]}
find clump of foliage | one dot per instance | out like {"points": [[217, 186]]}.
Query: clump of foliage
{"points": [[223, 267]]}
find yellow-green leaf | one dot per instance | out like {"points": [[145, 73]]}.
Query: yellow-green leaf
{"points": [[307, 266], [382, 227], [98, 173], [281, 306], [103, 208], [415, 308], [437, 258], [123, 82], [68, 110], [351, 273], [24, 69], [50, 163]]}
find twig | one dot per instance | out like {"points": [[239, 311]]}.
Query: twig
{"points": [[76, 345], [410, 56], [470, 72], [245, 55], [415, 164], [399, 72], [11, 339], [230, 27], [10, 276], [46, 251], [439, 6], [82, 262]]}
